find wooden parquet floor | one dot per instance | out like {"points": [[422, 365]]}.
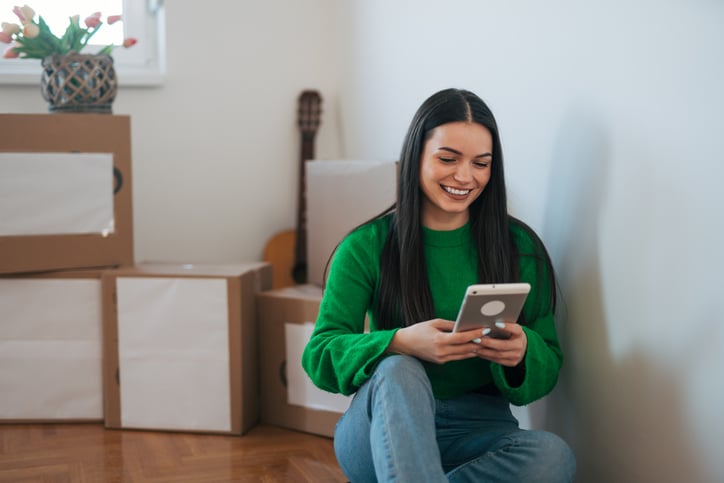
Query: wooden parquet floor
{"points": [[90, 453]]}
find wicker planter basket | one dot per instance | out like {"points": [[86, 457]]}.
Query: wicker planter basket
{"points": [[79, 83]]}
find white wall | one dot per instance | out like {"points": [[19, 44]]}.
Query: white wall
{"points": [[611, 124], [611, 119]]}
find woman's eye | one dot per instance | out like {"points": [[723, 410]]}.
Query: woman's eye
{"points": [[482, 164], [447, 160]]}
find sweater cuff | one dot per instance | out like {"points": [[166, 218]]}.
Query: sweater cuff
{"points": [[515, 375], [513, 381]]}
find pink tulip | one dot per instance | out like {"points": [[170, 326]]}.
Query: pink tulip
{"points": [[129, 42], [93, 21], [5, 38], [113, 19], [24, 13], [19, 13], [11, 53]]}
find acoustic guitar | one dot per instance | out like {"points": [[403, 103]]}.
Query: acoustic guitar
{"points": [[287, 251]]}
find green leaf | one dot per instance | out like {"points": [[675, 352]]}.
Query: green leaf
{"points": [[106, 50]]}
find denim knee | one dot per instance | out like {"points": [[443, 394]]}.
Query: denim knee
{"points": [[521, 456], [550, 459], [400, 378], [556, 453], [400, 365]]}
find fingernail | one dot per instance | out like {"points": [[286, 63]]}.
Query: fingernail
{"points": [[500, 325], [477, 340], [486, 330]]}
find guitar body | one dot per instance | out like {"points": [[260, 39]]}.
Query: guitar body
{"points": [[287, 251], [279, 251]]}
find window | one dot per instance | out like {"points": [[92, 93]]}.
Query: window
{"points": [[143, 64]]}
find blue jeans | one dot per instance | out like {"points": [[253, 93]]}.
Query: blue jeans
{"points": [[395, 430]]}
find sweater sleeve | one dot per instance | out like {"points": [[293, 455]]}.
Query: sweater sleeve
{"points": [[340, 355], [544, 357]]}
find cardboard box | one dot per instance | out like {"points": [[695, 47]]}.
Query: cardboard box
{"points": [[51, 347], [288, 398], [65, 182], [180, 347], [341, 195]]}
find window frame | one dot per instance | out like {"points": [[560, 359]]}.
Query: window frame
{"points": [[141, 65]]}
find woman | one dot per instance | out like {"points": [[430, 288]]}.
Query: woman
{"points": [[431, 404]]}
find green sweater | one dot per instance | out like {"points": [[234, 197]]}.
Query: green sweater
{"points": [[341, 356]]}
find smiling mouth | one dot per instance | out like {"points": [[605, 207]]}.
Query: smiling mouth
{"points": [[455, 191]]}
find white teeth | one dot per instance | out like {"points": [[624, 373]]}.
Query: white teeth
{"points": [[453, 191]]}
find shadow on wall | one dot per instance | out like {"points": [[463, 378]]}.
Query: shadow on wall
{"points": [[623, 417]]}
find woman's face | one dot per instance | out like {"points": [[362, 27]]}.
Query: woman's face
{"points": [[454, 170]]}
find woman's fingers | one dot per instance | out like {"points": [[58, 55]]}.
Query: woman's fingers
{"points": [[508, 352]]}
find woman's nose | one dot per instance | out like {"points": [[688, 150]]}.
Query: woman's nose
{"points": [[463, 173]]}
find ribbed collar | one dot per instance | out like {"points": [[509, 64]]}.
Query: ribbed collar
{"points": [[448, 238]]}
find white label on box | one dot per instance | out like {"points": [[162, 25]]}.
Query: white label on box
{"points": [[300, 389], [56, 193], [50, 349], [173, 345]]}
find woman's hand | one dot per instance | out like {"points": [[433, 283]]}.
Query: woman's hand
{"points": [[434, 341], [506, 352]]}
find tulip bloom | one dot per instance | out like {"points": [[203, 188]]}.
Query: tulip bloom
{"points": [[31, 31], [93, 21], [5, 38], [113, 19], [11, 53], [10, 28], [24, 13], [129, 42]]}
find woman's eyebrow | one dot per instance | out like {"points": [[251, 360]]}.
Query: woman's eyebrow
{"points": [[455, 151]]}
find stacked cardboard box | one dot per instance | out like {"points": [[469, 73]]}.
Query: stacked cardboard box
{"points": [[66, 187], [50, 347], [65, 182], [180, 346], [339, 196]]}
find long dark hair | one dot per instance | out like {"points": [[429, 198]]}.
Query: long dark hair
{"points": [[404, 296]]}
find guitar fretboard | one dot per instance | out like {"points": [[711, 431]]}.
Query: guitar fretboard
{"points": [[309, 111]]}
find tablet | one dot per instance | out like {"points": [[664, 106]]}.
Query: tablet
{"points": [[484, 305]]}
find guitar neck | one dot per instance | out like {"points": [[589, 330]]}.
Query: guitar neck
{"points": [[307, 153], [308, 120]]}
